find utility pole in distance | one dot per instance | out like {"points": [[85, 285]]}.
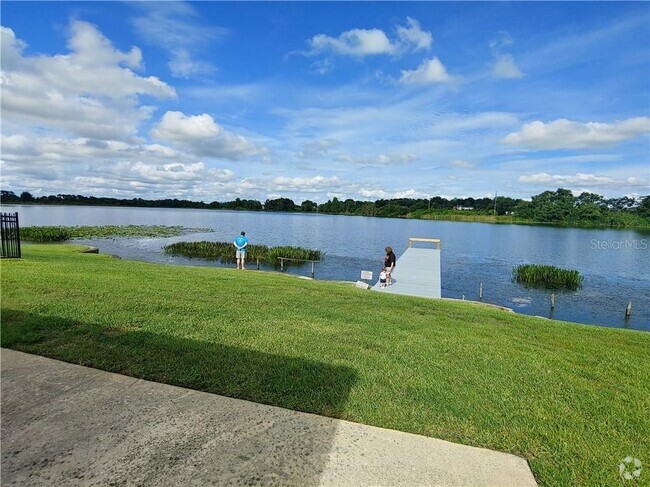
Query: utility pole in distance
{"points": [[495, 204]]}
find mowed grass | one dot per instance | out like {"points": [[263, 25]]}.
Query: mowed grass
{"points": [[573, 400]]}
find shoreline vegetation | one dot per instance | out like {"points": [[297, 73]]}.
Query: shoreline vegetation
{"points": [[558, 207], [571, 399], [43, 234], [225, 252]]}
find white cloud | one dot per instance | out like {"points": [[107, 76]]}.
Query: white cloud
{"points": [[588, 180], [175, 27], [147, 178], [385, 195], [505, 68], [322, 66], [566, 134], [177, 127], [429, 72], [369, 42], [379, 160], [183, 66], [202, 136], [304, 184], [355, 42], [91, 92], [414, 35], [316, 149]]}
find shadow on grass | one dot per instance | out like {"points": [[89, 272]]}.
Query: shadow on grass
{"points": [[300, 447], [289, 382]]}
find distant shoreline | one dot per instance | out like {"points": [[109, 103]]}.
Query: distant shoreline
{"points": [[458, 218]]}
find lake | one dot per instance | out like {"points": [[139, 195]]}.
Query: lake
{"points": [[615, 263]]}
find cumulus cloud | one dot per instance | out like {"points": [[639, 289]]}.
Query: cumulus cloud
{"points": [[369, 42], [566, 134], [429, 72], [581, 179], [91, 91], [414, 36], [202, 136], [355, 42], [21, 148]]}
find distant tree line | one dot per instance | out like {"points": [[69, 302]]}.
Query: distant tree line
{"points": [[558, 206]]}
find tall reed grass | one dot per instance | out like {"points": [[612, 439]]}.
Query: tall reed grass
{"points": [[225, 252], [547, 276]]}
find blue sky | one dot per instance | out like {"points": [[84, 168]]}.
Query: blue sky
{"points": [[310, 100]]}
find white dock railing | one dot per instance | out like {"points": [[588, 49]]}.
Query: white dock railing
{"points": [[428, 240]]}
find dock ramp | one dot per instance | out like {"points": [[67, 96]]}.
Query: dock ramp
{"points": [[417, 271]]}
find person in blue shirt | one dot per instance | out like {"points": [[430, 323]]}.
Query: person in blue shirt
{"points": [[240, 243]]}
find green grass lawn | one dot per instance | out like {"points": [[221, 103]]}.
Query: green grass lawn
{"points": [[572, 399]]}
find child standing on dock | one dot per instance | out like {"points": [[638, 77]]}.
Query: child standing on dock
{"points": [[382, 278], [389, 264]]}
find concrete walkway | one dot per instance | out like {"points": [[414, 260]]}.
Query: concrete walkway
{"points": [[64, 424]]}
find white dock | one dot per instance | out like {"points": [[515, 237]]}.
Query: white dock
{"points": [[417, 271]]}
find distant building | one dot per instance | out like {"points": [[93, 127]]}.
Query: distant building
{"points": [[463, 208]]}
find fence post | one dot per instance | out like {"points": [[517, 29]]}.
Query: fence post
{"points": [[480, 292], [258, 263], [312, 269], [552, 300], [281, 264], [10, 235], [18, 235]]}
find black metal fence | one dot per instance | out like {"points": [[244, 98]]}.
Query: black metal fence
{"points": [[10, 235]]}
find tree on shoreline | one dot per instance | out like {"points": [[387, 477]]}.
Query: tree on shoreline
{"points": [[559, 207]]}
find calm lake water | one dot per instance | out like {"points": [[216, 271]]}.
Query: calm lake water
{"points": [[615, 263]]}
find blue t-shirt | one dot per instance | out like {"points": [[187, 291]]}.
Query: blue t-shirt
{"points": [[240, 242]]}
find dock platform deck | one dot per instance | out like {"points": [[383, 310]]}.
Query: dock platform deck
{"points": [[416, 273]]}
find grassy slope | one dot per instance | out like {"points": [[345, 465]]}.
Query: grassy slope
{"points": [[574, 400]]}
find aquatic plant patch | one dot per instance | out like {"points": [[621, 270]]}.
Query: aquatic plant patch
{"points": [[225, 252], [63, 233], [547, 276]]}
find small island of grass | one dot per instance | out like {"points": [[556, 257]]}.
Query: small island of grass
{"points": [[547, 277]]}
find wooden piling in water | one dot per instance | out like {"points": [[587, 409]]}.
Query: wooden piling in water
{"points": [[628, 309], [552, 300], [480, 292]]}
